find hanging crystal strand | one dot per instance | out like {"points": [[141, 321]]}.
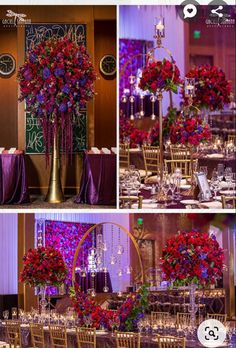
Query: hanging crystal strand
{"points": [[83, 271], [132, 97], [112, 258], [128, 268], [141, 113], [192, 304], [153, 99]]}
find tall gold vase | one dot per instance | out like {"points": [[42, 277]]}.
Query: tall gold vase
{"points": [[55, 194]]}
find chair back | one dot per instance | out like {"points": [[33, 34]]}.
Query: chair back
{"points": [[179, 153], [221, 317], [58, 336], [151, 156], [86, 337], [232, 137], [170, 342], [37, 335], [13, 333], [183, 165], [183, 319], [127, 340], [127, 201], [228, 202], [124, 156], [159, 317]]}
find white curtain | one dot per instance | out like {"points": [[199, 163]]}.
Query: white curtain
{"points": [[8, 254], [122, 219]]}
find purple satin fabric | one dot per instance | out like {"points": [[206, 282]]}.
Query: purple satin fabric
{"points": [[98, 181], [13, 182], [86, 283]]}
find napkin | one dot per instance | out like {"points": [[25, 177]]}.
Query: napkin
{"points": [[95, 150], [12, 150], [114, 149], [2, 149], [105, 150]]}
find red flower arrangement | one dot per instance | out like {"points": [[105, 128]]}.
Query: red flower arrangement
{"points": [[43, 266], [128, 315], [159, 76], [212, 88], [56, 81], [136, 136], [192, 257], [189, 131]]}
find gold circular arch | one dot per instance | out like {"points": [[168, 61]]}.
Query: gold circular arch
{"points": [[94, 227]]}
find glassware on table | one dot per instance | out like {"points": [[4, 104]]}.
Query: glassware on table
{"points": [[204, 169], [5, 314], [220, 171], [14, 313], [231, 331], [178, 176], [172, 186]]}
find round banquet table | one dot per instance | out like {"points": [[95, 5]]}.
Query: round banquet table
{"points": [[13, 180], [102, 341], [99, 281], [136, 159], [98, 181]]}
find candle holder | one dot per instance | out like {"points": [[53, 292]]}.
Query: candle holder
{"points": [[159, 28]]}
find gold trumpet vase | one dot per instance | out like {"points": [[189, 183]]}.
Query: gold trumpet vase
{"points": [[55, 193]]}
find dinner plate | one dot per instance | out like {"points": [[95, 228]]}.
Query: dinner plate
{"points": [[227, 192], [132, 192], [215, 155], [185, 187], [145, 206], [101, 332], [147, 188], [147, 201], [212, 205], [189, 201]]}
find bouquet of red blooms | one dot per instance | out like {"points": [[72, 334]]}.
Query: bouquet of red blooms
{"points": [[56, 81], [137, 137], [126, 128], [189, 131], [85, 307], [192, 257], [212, 88], [159, 76], [43, 266], [128, 315]]}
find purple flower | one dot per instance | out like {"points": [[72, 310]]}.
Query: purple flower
{"points": [[59, 72], [66, 89], [27, 75], [62, 107], [83, 81], [46, 73], [33, 58], [40, 98]]}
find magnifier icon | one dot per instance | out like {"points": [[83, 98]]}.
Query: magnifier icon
{"points": [[211, 333]]}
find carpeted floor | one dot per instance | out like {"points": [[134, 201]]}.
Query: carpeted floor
{"points": [[37, 202]]}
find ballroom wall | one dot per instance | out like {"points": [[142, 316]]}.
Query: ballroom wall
{"points": [[8, 254], [101, 39]]}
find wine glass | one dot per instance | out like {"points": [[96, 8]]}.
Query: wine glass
{"points": [[14, 313], [172, 187], [5, 315]]}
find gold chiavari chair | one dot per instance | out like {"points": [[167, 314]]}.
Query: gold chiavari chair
{"points": [[13, 333], [228, 202], [159, 317], [127, 340], [179, 153], [183, 165], [127, 201], [232, 138], [86, 337], [221, 317], [58, 336], [183, 319], [151, 156], [124, 156], [37, 335], [171, 342]]}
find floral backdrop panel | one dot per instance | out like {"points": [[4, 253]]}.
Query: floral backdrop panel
{"points": [[65, 236], [34, 33]]}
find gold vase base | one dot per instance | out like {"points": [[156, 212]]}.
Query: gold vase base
{"points": [[54, 194]]}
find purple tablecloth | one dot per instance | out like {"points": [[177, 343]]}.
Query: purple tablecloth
{"points": [[13, 181], [99, 281], [98, 181]]}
